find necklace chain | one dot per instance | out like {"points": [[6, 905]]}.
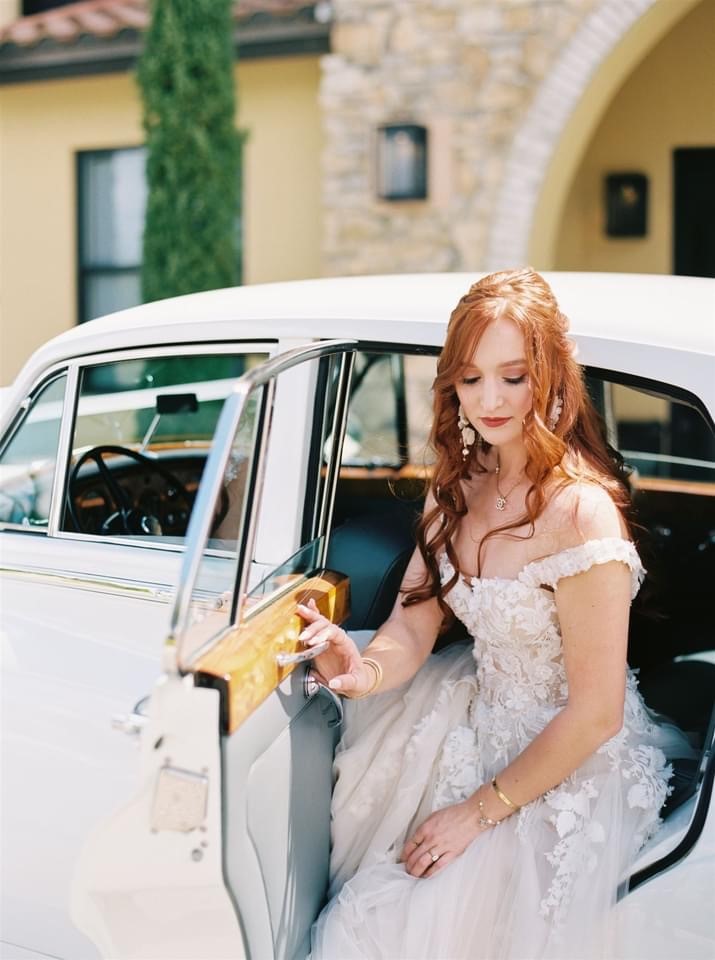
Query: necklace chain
{"points": [[503, 498]]}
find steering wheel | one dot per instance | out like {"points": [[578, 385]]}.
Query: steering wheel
{"points": [[126, 517]]}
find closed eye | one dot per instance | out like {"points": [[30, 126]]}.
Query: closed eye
{"points": [[468, 381]]}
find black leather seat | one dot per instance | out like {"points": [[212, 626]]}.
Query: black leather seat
{"points": [[373, 550]]}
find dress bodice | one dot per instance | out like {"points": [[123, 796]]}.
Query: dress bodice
{"points": [[515, 627]]}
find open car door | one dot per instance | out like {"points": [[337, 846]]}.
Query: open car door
{"points": [[223, 852]]}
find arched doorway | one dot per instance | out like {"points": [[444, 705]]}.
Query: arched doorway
{"points": [[660, 125], [551, 142]]}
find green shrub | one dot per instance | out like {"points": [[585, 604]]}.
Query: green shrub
{"points": [[194, 150]]}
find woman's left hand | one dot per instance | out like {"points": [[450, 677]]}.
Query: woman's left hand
{"points": [[444, 835]]}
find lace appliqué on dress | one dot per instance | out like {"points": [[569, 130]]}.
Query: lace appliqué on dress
{"points": [[651, 773], [579, 559], [575, 853], [642, 765], [459, 774]]}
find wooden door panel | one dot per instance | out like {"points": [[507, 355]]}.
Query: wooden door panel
{"points": [[243, 664]]}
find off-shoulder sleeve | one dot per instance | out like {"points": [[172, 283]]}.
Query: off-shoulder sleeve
{"points": [[574, 560]]}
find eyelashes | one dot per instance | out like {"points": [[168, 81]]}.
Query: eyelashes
{"points": [[514, 381]]}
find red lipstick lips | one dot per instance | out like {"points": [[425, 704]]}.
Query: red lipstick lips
{"points": [[495, 421]]}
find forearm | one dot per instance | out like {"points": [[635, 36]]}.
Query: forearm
{"points": [[399, 653], [560, 749]]}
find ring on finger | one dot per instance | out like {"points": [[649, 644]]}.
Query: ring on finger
{"points": [[435, 856]]}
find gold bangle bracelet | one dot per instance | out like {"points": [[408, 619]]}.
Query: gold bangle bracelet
{"points": [[377, 667], [377, 670], [503, 797]]}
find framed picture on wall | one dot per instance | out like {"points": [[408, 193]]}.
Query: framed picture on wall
{"points": [[626, 204]]}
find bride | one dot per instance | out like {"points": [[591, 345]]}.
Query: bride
{"points": [[488, 800]]}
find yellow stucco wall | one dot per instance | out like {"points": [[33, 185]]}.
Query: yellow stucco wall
{"points": [[668, 101], [44, 124]]}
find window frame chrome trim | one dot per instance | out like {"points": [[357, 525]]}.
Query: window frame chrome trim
{"points": [[96, 583], [347, 365], [63, 449]]}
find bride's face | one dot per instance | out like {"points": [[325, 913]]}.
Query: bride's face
{"points": [[494, 390]]}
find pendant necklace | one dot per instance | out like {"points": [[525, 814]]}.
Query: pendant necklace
{"points": [[503, 498]]}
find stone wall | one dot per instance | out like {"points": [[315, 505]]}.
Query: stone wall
{"points": [[472, 72]]}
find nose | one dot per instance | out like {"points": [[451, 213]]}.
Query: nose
{"points": [[491, 396]]}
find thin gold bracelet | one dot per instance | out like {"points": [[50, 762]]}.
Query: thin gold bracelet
{"points": [[503, 797], [483, 820], [377, 669]]}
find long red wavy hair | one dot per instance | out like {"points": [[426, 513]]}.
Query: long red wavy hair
{"points": [[575, 450]]}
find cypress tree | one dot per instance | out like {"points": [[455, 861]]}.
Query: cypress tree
{"points": [[193, 149]]}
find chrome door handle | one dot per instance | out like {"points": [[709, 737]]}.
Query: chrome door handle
{"points": [[289, 659], [132, 723], [313, 688]]}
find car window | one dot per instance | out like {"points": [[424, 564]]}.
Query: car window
{"points": [[141, 435], [661, 437], [390, 410], [314, 384], [28, 460]]}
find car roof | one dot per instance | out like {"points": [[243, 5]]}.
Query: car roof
{"points": [[670, 311], [676, 313]]}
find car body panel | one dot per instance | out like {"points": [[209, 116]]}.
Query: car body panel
{"points": [[124, 894], [671, 915]]}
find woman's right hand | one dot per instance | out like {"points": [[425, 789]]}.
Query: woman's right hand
{"points": [[340, 667]]}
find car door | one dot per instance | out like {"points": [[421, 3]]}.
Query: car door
{"points": [[224, 850], [82, 609]]}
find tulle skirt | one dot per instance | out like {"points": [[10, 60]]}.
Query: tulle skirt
{"points": [[540, 885]]}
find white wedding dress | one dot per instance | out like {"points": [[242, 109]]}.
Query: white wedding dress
{"points": [[541, 883]]}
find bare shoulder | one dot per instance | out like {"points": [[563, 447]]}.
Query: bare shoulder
{"points": [[581, 511]]}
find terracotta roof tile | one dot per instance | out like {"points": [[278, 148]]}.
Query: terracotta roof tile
{"points": [[105, 18]]}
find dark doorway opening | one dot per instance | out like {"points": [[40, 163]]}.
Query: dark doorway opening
{"points": [[694, 211]]}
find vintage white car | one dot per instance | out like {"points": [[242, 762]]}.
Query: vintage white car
{"points": [[173, 479]]}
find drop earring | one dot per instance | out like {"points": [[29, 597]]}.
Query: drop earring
{"points": [[554, 413], [469, 434]]}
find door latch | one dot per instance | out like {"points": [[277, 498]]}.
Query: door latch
{"points": [[313, 688]]}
